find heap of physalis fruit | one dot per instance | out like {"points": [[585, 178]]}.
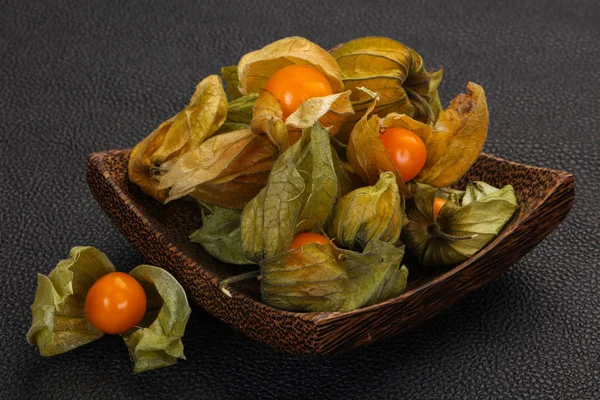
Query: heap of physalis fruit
{"points": [[321, 167]]}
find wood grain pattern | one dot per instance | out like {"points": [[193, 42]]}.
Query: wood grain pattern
{"points": [[160, 233]]}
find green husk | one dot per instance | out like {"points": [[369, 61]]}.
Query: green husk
{"points": [[268, 221], [477, 191], [320, 178], [158, 344], [299, 196], [346, 179], [240, 110], [435, 79], [370, 212], [58, 322], [220, 234], [324, 278], [230, 76], [460, 230], [232, 127]]}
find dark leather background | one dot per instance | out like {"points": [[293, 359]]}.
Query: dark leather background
{"points": [[78, 77]]}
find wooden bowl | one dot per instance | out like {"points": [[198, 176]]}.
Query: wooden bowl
{"points": [[161, 235]]}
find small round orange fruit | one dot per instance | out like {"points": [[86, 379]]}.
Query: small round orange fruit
{"points": [[305, 238], [406, 150], [293, 84], [115, 303], [438, 203]]}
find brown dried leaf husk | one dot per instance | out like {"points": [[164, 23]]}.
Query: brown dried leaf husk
{"points": [[199, 120], [457, 139], [226, 170]]}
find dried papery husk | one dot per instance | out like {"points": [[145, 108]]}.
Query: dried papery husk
{"points": [[268, 119], [395, 72], [367, 154], [226, 170], [452, 144], [268, 116], [200, 119], [254, 71], [457, 138], [255, 68]]}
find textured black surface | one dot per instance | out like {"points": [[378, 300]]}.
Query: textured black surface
{"points": [[77, 78]]}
